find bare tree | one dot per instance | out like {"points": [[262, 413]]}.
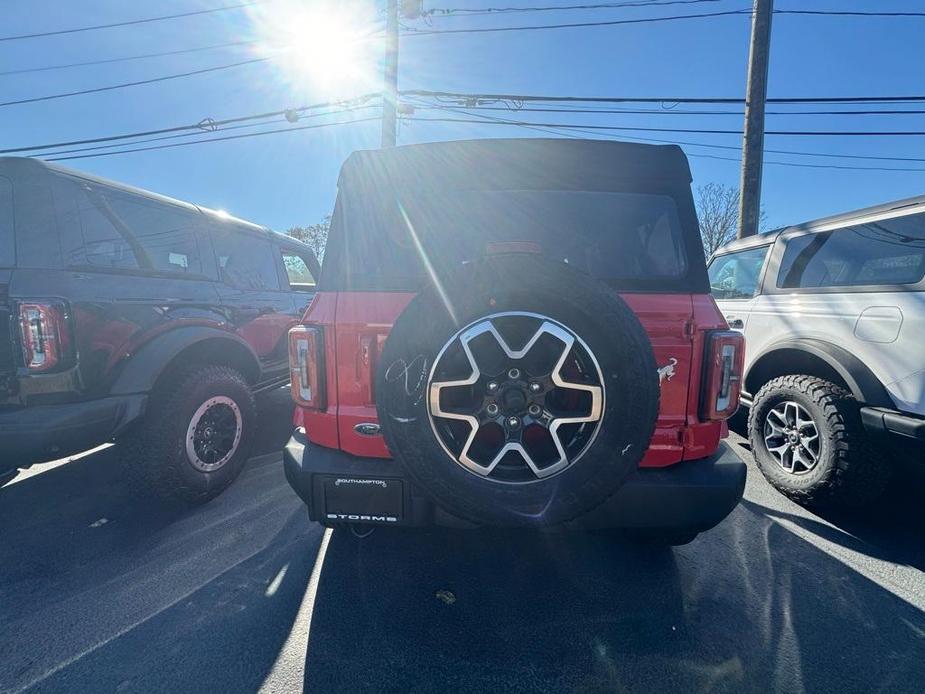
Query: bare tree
{"points": [[718, 212], [315, 235]]}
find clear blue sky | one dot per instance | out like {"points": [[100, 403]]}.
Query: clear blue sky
{"points": [[288, 179]]}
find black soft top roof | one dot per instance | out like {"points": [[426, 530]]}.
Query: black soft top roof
{"points": [[523, 163]]}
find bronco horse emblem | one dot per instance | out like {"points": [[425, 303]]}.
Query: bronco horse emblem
{"points": [[667, 371]]}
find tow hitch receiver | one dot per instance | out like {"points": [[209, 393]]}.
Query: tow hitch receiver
{"points": [[359, 499]]}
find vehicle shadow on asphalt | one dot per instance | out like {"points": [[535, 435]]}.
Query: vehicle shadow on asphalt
{"points": [[746, 607], [890, 529], [103, 590]]}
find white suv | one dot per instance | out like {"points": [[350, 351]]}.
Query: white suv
{"points": [[834, 317]]}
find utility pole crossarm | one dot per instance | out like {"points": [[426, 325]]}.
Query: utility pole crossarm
{"points": [[753, 136]]}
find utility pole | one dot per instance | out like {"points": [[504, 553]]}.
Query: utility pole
{"points": [[753, 136], [390, 76]]}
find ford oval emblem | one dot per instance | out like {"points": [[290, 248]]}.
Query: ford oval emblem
{"points": [[367, 429]]}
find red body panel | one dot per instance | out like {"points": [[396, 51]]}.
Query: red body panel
{"points": [[363, 323], [356, 325]]}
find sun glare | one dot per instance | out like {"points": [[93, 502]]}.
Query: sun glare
{"points": [[326, 47]]}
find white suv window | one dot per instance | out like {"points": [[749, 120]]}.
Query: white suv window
{"points": [[736, 275], [888, 252]]}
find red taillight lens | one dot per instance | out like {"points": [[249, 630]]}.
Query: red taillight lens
{"points": [[46, 337], [306, 366], [725, 363]]}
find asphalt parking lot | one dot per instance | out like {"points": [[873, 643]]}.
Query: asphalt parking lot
{"points": [[102, 592]]}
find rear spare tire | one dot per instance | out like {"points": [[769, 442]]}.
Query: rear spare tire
{"points": [[521, 393]]}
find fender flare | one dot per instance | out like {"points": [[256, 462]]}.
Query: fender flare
{"points": [[143, 368], [861, 381]]}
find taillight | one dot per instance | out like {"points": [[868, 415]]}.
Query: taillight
{"points": [[723, 379], [46, 336], [306, 366]]}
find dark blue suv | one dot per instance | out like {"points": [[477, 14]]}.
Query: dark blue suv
{"points": [[129, 316]]}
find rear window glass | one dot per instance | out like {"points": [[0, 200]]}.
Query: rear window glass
{"points": [[614, 236], [7, 242], [887, 252], [127, 232], [245, 260]]}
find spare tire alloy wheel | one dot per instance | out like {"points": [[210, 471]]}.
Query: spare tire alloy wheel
{"points": [[520, 393], [214, 433], [517, 404], [791, 437]]}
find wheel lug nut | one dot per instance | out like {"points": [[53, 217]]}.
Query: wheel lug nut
{"points": [[492, 409], [535, 387], [513, 422], [513, 374], [492, 386], [534, 410]]}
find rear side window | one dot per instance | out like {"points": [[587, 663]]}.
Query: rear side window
{"points": [[888, 252], [127, 232], [245, 260], [297, 271], [736, 275], [7, 241], [620, 238]]}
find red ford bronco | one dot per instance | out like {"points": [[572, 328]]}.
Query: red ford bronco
{"points": [[516, 333]]}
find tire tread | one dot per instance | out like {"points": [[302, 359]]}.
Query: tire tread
{"points": [[859, 473], [153, 466]]}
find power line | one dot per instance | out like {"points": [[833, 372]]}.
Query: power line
{"points": [[408, 31], [123, 85], [475, 97], [684, 112], [494, 121], [215, 139], [853, 13], [211, 124], [203, 125], [106, 61], [132, 22], [253, 124], [532, 126], [709, 145], [449, 12], [711, 131]]}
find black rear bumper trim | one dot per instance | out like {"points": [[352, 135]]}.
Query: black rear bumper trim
{"points": [[695, 494]]}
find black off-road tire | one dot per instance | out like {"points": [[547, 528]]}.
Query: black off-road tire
{"points": [[851, 471], [525, 284], [155, 450]]}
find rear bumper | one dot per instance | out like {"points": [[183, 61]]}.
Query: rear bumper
{"points": [[35, 434], [695, 494], [883, 420]]}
